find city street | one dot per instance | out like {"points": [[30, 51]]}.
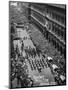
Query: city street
{"points": [[45, 77], [37, 46]]}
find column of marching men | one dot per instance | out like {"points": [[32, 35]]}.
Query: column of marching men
{"points": [[37, 62]]}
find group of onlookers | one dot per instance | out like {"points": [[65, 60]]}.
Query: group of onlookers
{"points": [[59, 75]]}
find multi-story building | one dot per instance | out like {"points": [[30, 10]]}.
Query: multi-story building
{"points": [[51, 21]]}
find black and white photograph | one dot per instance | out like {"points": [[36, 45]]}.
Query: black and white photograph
{"points": [[37, 44]]}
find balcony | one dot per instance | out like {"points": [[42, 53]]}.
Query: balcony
{"points": [[48, 17]]}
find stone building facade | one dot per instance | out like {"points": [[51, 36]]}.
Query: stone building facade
{"points": [[51, 21]]}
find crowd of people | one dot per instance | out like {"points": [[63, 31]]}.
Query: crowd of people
{"points": [[58, 73], [19, 67]]}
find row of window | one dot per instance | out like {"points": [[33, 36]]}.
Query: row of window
{"points": [[56, 44], [55, 16], [38, 17], [58, 31], [38, 7], [52, 15]]}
